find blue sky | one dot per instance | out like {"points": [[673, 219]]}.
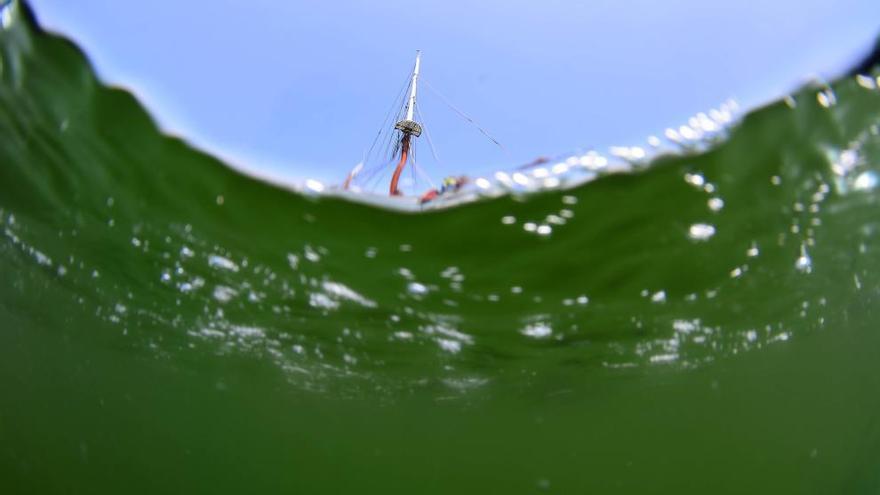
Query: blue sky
{"points": [[299, 89]]}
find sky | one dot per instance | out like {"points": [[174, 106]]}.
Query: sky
{"points": [[298, 89]]}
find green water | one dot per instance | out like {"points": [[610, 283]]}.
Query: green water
{"points": [[168, 325]]}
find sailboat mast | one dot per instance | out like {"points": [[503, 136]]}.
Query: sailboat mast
{"points": [[414, 85], [408, 127]]}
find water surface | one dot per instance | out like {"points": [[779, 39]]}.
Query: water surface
{"points": [[702, 322]]}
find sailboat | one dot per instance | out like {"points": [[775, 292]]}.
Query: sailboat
{"points": [[408, 129]]}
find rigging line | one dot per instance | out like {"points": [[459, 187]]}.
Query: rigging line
{"points": [[371, 184], [383, 174], [397, 101], [389, 147], [394, 136], [417, 169], [368, 178], [427, 133], [370, 168], [424, 175], [369, 174], [376, 174], [394, 143], [464, 116], [412, 170]]}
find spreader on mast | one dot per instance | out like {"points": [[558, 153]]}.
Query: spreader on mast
{"points": [[408, 127]]}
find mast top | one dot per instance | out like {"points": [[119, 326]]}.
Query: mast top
{"points": [[409, 126]]}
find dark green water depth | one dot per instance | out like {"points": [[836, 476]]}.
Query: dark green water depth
{"points": [[707, 324]]}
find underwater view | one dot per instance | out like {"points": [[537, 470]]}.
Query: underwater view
{"points": [[699, 318]]}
